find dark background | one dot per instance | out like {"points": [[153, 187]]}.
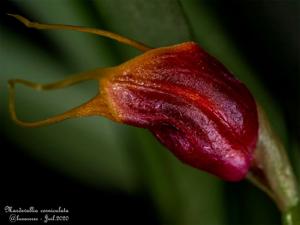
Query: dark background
{"points": [[267, 35]]}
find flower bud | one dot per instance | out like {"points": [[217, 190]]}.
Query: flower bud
{"points": [[185, 97], [191, 103]]}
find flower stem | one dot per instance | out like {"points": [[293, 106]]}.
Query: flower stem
{"points": [[292, 217], [272, 172]]}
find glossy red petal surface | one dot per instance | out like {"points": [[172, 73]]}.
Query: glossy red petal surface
{"points": [[192, 104]]}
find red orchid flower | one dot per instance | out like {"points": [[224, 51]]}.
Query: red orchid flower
{"points": [[190, 102], [193, 105]]}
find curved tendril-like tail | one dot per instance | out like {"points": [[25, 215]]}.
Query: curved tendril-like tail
{"points": [[100, 32], [95, 106]]}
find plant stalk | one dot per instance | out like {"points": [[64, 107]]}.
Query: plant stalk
{"points": [[272, 172]]}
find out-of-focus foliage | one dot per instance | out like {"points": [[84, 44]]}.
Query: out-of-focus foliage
{"points": [[100, 152]]}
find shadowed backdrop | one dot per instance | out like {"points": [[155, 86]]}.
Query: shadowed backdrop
{"points": [[107, 173]]}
